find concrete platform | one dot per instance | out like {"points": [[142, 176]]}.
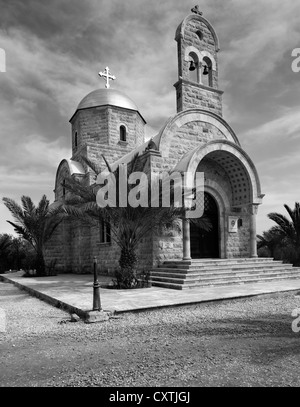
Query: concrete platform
{"points": [[74, 293]]}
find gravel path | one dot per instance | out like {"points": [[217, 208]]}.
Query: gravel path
{"points": [[235, 343]]}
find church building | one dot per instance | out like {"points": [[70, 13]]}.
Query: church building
{"points": [[195, 139]]}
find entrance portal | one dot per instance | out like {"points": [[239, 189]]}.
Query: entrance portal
{"points": [[206, 244]]}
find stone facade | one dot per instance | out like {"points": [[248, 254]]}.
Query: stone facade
{"points": [[195, 139]]}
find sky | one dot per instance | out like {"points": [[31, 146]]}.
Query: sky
{"points": [[55, 49]]}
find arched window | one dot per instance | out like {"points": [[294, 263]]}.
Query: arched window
{"points": [[75, 139], [199, 34], [193, 67], [206, 73], [122, 133]]}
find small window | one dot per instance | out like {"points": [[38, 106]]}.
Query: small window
{"points": [[104, 232], [75, 139], [64, 188], [200, 34], [122, 133]]}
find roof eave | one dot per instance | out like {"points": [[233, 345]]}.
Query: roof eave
{"points": [[120, 107]]}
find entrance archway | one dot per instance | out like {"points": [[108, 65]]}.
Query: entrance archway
{"points": [[206, 244]]}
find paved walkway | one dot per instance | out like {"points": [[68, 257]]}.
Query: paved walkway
{"points": [[75, 292]]}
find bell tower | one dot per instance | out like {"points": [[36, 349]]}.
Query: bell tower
{"points": [[198, 46]]}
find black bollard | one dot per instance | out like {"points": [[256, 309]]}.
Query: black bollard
{"points": [[96, 289]]}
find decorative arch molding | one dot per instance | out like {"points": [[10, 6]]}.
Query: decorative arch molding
{"points": [[200, 56], [164, 138], [180, 32], [74, 167], [70, 167], [218, 193], [190, 163]]}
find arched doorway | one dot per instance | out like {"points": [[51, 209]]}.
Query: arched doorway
{"points": [[206, 244]]}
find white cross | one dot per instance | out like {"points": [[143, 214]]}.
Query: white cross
{"points": [[107, 76]]}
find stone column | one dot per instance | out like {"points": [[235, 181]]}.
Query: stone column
{"points": [[253, 243], [186, 239]]}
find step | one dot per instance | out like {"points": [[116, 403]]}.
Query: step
{"points": [[186, 266], [224, 268], [219, 261], [221, 272], [217, 273], [193, 279], [178, 286], [243, 281]]}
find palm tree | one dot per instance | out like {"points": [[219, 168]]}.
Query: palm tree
{"points": [[286, 233], [270, 240], [128, 225], [34, 224]]}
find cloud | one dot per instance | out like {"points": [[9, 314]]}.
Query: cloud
{"points": [[55, 50], [285, 127]]}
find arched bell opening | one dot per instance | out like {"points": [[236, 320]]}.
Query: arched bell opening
{"points": [[194, 74], [206, 72]]}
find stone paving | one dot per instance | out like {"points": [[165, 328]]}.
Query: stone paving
{"points": [[75, 292]]}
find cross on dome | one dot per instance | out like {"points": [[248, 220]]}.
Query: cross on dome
{"points": [[196, 10], [107, 76]]}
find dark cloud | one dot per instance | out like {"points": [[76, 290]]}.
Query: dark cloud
{"points": [[56, 48]]}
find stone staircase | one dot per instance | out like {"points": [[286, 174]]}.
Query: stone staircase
{"points": [[180, 275]]}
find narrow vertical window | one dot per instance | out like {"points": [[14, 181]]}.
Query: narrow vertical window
{"points": [[122, 133], [108, 240], [75, 139], [104, 232], [64, 188]]}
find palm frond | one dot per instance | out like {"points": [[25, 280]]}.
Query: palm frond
{"points": [[91, 164], [80, 190], [14, 208], [107, 163], [22, 231], [42, 208], [28, 205]]}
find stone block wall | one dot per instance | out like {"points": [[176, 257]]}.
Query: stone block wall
{"points": [[59, 248], [91, 126], [131, 120], [100, 126], [191, 95], [167, 246], [238, 244], [74, 246]]}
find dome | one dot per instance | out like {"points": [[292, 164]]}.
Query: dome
{"points": [[103, 97]]}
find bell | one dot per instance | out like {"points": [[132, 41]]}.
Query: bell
{"points": [[192, 66], [205, 71]]}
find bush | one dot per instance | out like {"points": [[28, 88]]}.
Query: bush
{"points": [[129, 279]]}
